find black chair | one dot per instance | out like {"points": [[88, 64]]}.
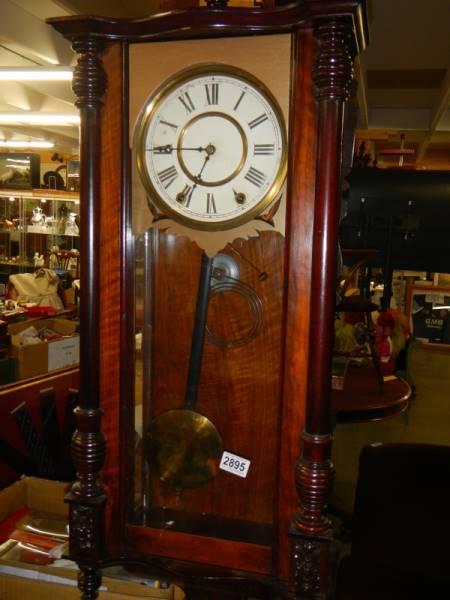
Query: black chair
{"points": [[401, 525]]}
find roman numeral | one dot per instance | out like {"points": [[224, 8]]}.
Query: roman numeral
{"points": [[239, 101], [186, 101], [258, 121], [168, 175], [256, 177], [212, 93], [263, 149], [169, 124], [210, 204]]}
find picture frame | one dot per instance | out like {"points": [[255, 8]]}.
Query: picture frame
{"points": [[428, 311], [73, 175], [19, 170]]}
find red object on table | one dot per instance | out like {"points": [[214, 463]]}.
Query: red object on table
{"points": [[41, 311]]}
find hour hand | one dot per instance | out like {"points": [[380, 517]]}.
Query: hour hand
{"points": [[168, 149]]}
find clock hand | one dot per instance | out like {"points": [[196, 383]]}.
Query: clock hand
{"points": [[198, 179], [168, 149], [181, 196], [185, 193], [240, 197]]}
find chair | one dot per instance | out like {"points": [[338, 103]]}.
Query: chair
{"points": [[401, 525], [63, 260], [360, 303]]}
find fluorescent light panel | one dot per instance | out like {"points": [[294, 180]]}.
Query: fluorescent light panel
{"points": [[38, 119], [35, 74], [26, 144]]}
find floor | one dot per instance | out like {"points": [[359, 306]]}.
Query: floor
{"points": [[427, 419]]}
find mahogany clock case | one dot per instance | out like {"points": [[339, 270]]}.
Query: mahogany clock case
{"points": [[254, 393]]}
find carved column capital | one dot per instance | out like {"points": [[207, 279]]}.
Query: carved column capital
{"points": [[333, 69], [89, 78]]}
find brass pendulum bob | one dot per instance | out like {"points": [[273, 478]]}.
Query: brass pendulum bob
{"points": [[185, 445]]}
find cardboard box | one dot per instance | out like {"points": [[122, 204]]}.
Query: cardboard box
{"points": [[47, 497], [36, 359], [17, 588], [39, 495]]}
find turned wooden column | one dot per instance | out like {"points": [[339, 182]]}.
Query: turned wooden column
{"points": [[87, 497], [332, 76]]}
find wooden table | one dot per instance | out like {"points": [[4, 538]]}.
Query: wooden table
{"points": [[362, 400]]}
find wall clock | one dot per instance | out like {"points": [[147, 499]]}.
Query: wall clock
{"points": [[164, 315], [212, 147]]}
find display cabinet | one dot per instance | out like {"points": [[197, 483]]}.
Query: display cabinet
{"points": [[32, 223], [210, 181]]}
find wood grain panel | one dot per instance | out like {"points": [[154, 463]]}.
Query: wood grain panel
{"points": [[110, 277], [239, 387], [207, 550]]}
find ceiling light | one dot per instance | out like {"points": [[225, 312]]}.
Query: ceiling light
{"points": [[35, 74], [30, 144], [26, 118]]}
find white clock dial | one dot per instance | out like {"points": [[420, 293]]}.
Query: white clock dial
{"points": [[212, 147]]}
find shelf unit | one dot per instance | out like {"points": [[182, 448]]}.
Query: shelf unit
{"points": [[33, 222]]}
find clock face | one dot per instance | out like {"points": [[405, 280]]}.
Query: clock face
{"points": [[211, 146]]}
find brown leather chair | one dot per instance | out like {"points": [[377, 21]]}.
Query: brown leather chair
{"points": [[401, 525]]}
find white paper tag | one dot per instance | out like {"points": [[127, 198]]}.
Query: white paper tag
{"points": [[63, 353], [232, 463]]}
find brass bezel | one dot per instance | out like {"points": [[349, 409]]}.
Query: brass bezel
{"points": [[238, 169], [145, 118]]}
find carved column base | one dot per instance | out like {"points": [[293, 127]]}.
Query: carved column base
{"points": [[315, 559], [87, 527], [86, 541], [314, 548]]}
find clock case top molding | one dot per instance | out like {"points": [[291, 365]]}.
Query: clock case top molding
{"points": [[324, 37]]}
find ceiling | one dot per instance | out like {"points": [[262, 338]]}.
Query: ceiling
{"points": [[405, 82], [404, 75]]}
